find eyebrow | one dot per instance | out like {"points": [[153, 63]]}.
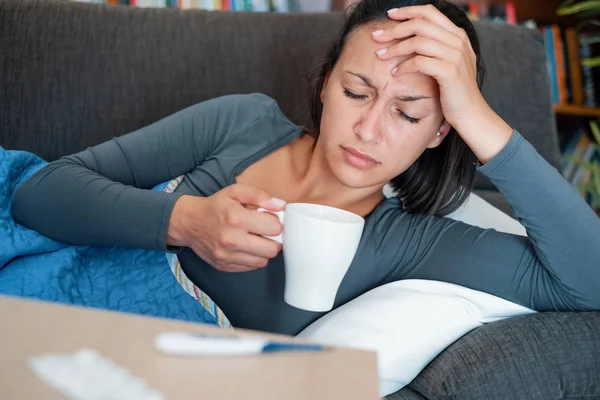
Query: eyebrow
{"points": [[368, 82]]}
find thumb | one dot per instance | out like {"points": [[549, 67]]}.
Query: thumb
{"points": [[251, 196]]}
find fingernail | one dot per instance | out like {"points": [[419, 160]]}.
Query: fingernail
{"points": [[392, 10], [377, 33], [381, 51], [277, 202], [394, 70]]}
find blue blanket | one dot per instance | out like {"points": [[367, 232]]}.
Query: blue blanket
{"points": [[114, 278]]}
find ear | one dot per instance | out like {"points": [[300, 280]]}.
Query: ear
{"points": [[325, 81], [440, 135]]}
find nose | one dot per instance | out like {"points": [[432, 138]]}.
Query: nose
{"points": [[368, 127]]}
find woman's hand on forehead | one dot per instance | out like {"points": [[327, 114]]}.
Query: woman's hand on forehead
{"points": [[443, 51], [439, 49]]}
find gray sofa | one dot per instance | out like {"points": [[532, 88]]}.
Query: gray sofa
{"points": [[73, 75]]}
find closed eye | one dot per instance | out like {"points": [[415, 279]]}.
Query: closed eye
{"points": [[402, 115], [408, 118], [354, 96]]}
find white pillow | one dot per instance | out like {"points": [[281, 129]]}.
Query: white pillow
{"points": [[408, 323], [478, 212]]}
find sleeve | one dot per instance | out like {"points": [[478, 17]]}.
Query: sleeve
{"points": [[557, 267], [102, 197]]}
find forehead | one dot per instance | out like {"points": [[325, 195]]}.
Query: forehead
{"points": [[361, 36], [360, 43], [359, 56]]}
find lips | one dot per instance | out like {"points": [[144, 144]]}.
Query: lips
{"points": [[358, 159], [358, 154]]}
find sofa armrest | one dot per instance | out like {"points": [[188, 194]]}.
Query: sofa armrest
{"points": [[538, 356]]}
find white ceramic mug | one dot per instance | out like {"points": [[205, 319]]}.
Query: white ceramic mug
{"points": [[319, 244]]}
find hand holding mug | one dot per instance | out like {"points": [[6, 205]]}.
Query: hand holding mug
{"points": [[222, 231]]}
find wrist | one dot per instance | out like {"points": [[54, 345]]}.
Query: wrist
{"points": [[486, 133], [177, 230]]}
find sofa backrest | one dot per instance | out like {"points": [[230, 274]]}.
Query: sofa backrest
{"points": [[74, 74]]}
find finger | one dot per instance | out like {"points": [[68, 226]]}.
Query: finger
{"points": [[426, 65], [255, 245], [422, 46], [248, 260], [259, 223], [248, 195], [418, 27], [428, 12], [233, 268]]}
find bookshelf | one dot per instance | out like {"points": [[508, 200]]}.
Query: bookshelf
{"points": [[537, 10], [210, 5], [542, 11], [576, 110]]}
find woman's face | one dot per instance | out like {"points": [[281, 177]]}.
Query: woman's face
{"points": [[375, 125]]}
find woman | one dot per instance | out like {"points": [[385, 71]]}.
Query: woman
{"points": [[398, 100]]}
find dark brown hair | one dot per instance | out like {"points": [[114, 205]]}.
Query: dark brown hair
{"points": [[440, 180]]}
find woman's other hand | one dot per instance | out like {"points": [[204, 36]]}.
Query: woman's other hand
{"points": [[224, 232]]}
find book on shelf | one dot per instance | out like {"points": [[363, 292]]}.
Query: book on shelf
{"points": [[573, 68], [573, 56], [211, 5], [503, 12], [582, 147]]}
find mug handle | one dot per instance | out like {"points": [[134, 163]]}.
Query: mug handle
{"points": [[280, 215]]}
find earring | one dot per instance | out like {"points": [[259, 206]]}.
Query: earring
{"points": [[438, 134]]}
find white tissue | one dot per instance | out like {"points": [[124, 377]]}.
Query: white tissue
{"points": [[86, 375]]}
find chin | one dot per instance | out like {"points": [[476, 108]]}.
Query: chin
{"points": [[352, 177], [349, 175]]}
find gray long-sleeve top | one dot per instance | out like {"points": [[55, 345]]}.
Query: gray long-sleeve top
{"points": [[101, 196]]}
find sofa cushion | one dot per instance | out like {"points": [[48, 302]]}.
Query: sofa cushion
{"points": [[75, 74], [405, 393], [542, 356]]}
